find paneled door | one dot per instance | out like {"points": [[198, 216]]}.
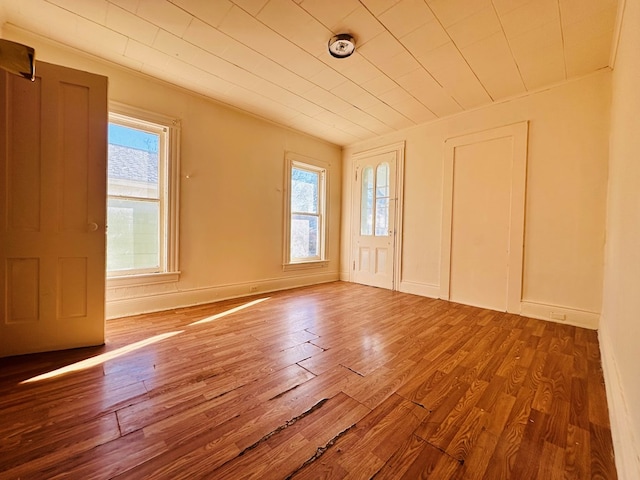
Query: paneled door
{"points": [[374, 214], [483, 218], [52, 210]]}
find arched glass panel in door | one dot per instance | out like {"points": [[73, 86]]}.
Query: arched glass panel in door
{"points": [[382, 200], [366, 202]]}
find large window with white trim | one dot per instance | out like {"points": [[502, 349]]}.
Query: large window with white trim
{"points": [[141, 196], [306, 208]]}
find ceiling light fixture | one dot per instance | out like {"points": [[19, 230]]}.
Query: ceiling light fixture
{"points": [[342, 45]]}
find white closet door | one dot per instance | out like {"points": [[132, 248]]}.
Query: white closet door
{"points": [[483, 218]]}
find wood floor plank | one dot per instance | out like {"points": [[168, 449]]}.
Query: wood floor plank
{"points": [[199, 419], [499, 413], [287, 451], [578, 454], [441, 392], [38, 452], [190, 451], [491, 394], [535, 371], [326, 360], [329, 381], [527, 462], [440, 432], [601, 448], [477, 436], [579, 404], [479, 456], [463, 440], [371, 443], [105, 461], [598, 409], [406, 455], [552, 463], [503, 460], [557, 423], [168, 403], [416, 459], [381, 384]]}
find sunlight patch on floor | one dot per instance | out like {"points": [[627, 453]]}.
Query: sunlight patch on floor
{"points": [[229, 312], [102, 358], [99, 359]]}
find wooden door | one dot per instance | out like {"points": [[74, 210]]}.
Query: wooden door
{"points": [[374, 220], [52, 210], [483, 218]]}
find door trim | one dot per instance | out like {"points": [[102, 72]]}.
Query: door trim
{"points": [[398, 149], [519, 133]]}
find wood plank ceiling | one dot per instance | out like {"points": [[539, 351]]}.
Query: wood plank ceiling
{"points": [[416, 60]]}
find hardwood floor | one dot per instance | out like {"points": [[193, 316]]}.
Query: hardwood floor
{"points": [[331, 381]]}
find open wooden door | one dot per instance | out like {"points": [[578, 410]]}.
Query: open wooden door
{"points": [[53, 151]]}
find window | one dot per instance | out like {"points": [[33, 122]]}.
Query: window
{"points": [[141, 198], [306, 212]]}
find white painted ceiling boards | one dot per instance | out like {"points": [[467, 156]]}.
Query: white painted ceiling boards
{"points": [[416, 60]]}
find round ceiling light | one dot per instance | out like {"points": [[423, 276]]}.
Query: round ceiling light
{"points": [[342, 45]]}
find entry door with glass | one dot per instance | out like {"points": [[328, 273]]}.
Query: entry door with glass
{"points": [[374, 220]]}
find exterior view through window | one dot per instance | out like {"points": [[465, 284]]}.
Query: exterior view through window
{"points": [[374, 202], [306, 220], [136, 197]]}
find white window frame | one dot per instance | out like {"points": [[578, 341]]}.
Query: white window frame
{"points": [[293, 160], [169, 192]]}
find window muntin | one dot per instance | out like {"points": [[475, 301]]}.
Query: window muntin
{"points": [[141, 204], [306, 212]]}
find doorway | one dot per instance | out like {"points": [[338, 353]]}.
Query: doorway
{"points": [[376, 221]]}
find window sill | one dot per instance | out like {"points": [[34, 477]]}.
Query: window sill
{"points": [[287, 267], [142, 279]]}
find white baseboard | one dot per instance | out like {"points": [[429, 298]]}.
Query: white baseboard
{"points": [[625, 445], [156, 302], [422, 289], [560, 314], [344, 276]]}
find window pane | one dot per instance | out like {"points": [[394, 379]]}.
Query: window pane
{"points": [[382, 180], [133, 162], [366, 202], [382, 200], [133, 234], [304, 236], [304, 191], [382, 217]]}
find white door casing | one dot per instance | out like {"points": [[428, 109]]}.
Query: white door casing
{"points": [[483, 218], [52, 210], [377, 216]]}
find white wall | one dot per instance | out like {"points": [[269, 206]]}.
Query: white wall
{"points": [[231, 207], [565, 201], [620, 325]]}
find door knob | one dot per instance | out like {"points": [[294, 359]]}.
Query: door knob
{"points": [[93, 227]]}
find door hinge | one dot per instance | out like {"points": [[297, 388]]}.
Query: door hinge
{"points": [[356, 175], [354, 264]]}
